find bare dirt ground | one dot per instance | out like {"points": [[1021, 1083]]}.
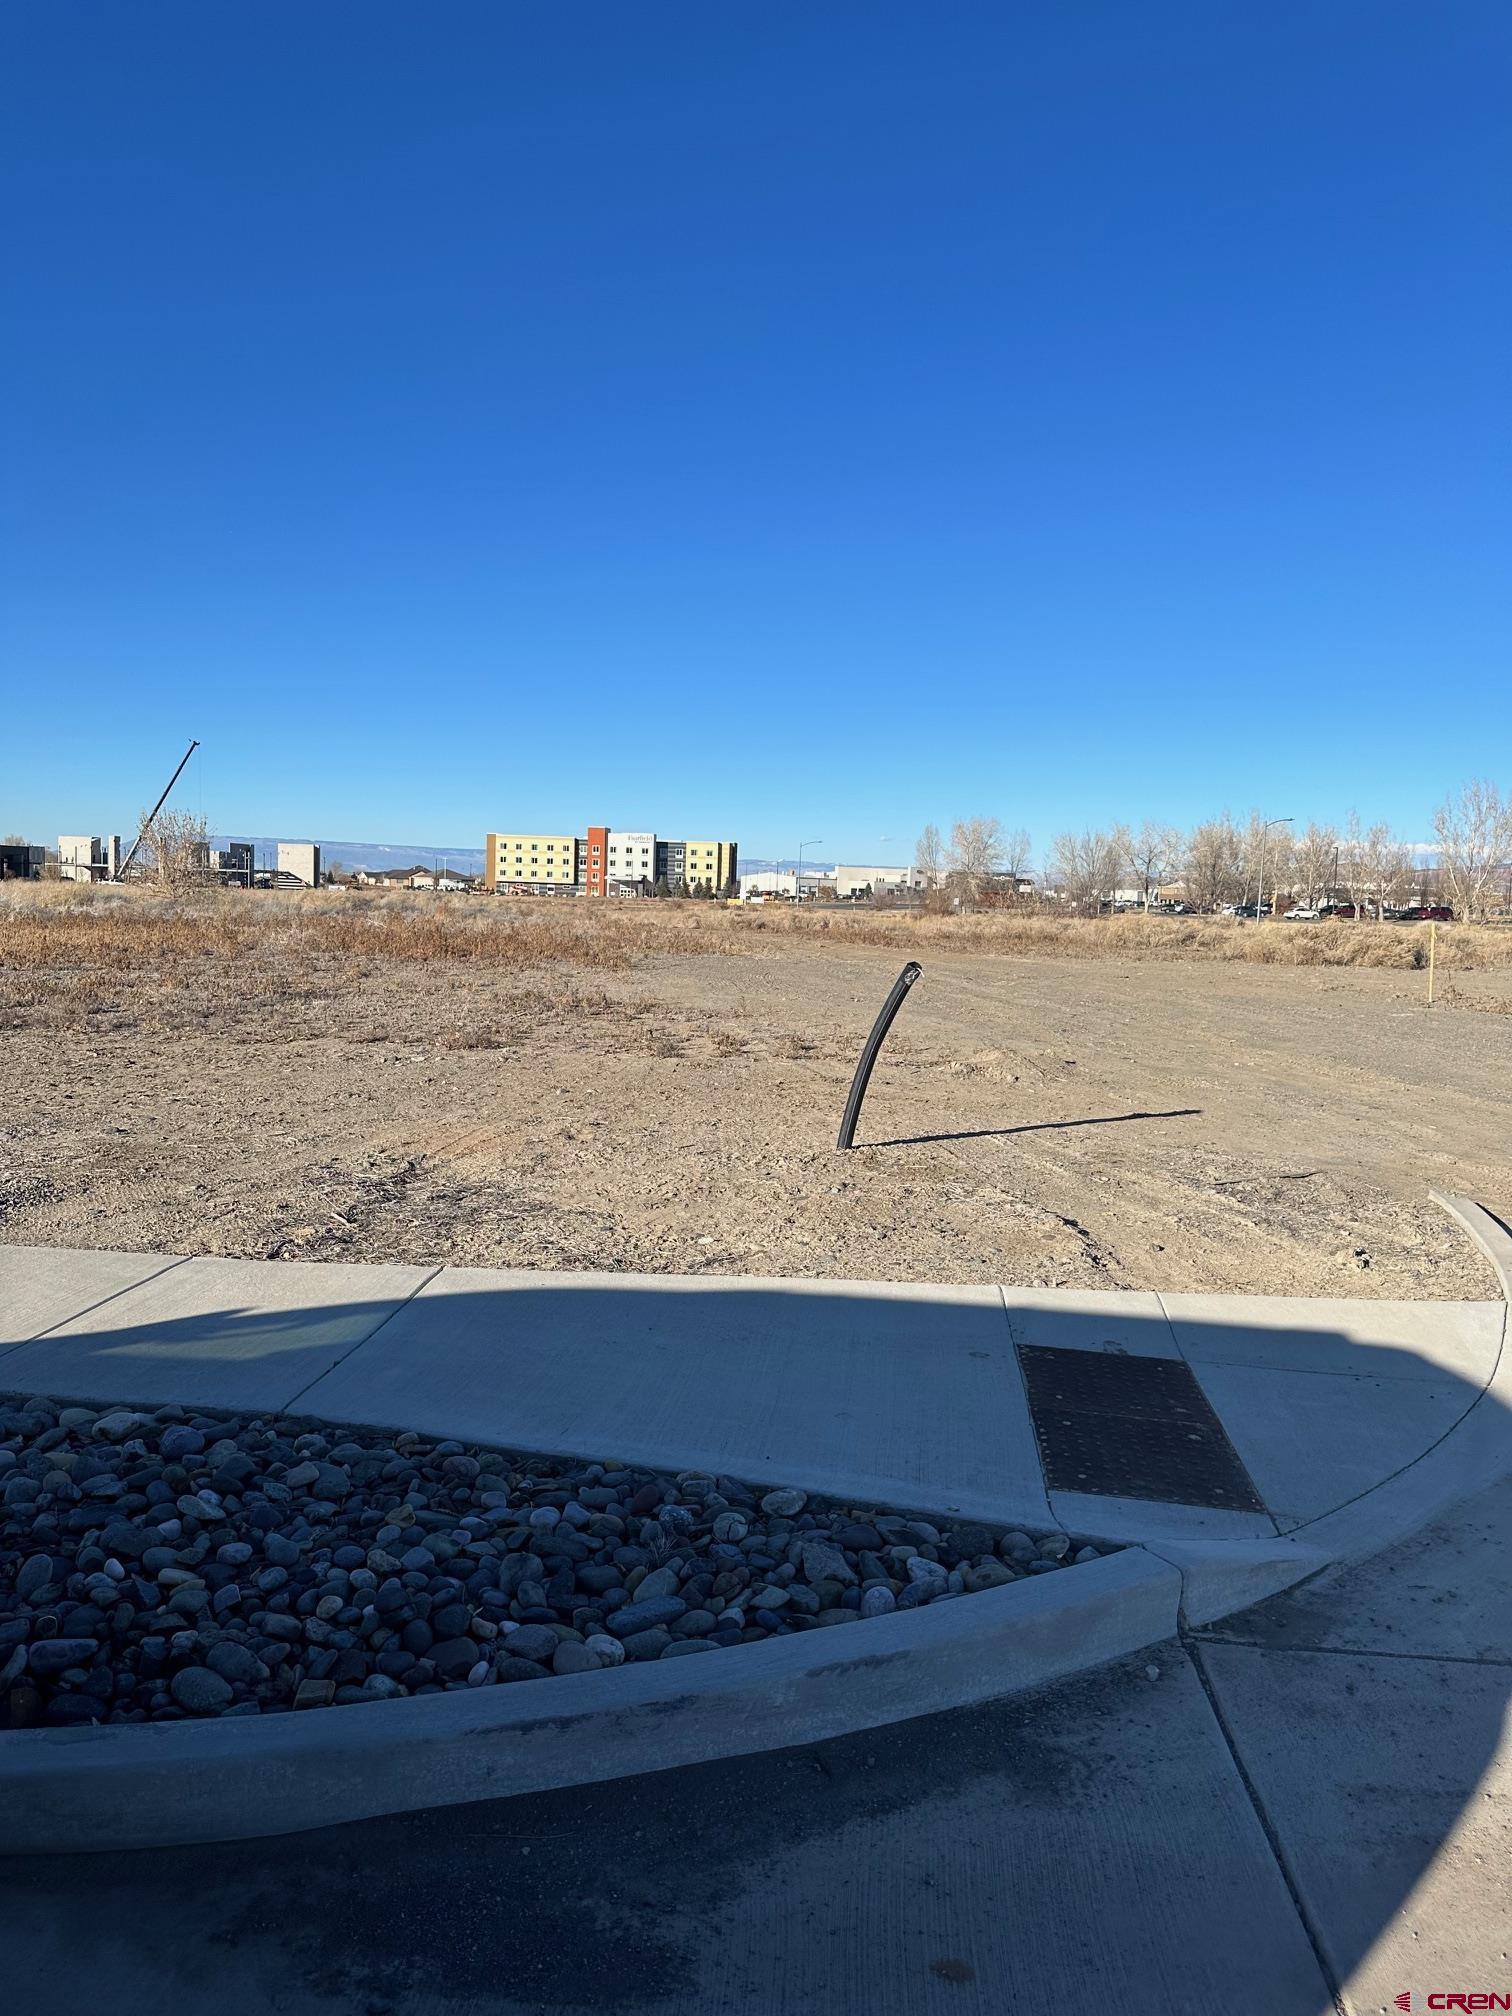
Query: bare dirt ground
{"points": [[1035, 1120]]}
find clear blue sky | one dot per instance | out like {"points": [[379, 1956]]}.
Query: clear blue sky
{"points": [[774, 420]]}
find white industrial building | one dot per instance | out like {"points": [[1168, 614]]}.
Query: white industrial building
{"points": [[782, 882], [301, 859], [851, 883], [84, 857]]}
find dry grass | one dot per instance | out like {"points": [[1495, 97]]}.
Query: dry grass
{"points": [[69, 930], [43, 927], [467, 1039], [1466, 947], [276, 969], [1450, 996]]}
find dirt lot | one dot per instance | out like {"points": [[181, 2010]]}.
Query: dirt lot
{"points": [[1070, 1121]]}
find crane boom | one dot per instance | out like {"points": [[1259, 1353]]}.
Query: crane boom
{"points": [[120, 873]]}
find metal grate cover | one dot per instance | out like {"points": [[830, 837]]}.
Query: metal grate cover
{"points": [[1129, 1427]]}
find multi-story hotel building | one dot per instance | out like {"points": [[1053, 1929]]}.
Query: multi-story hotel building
{"points": [[631, 858], [545, 863], [710, 863], [604, 862]]}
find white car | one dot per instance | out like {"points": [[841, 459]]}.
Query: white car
{"points": [[1301, 913]]}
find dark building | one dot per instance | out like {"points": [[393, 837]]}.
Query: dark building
{"points": [[20, 863]]}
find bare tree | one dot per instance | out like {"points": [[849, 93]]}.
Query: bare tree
{"points": [[1266, 856], [976, 855], [1371, 870], [929, 856], [1354, 864], [1213, 863], [1087, 865], [1388, 866], [1153, 853], [174, 850], [1313, 862], [1018, 854], [1474, 834]]}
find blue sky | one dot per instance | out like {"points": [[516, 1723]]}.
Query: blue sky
{"points": [[782, 421]]}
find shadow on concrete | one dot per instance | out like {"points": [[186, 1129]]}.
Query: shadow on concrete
{"points": [[909, 1391], [1091, 1846], [1035, 1127]]}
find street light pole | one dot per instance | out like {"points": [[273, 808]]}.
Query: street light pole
{"points": [[1260, 885], [798, 885]]}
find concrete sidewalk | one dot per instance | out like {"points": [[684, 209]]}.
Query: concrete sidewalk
{"points": [[1304, 1811], [906, 1394]]}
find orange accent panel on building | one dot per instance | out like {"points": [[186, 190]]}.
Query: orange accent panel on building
{"points": [[595, 863]]}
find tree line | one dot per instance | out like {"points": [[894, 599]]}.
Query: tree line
{"points": [[1223, 861]]}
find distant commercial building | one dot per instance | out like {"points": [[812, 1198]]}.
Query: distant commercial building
{"points": [[84, 857], [784, 882], [234, 863], [538, 863], [853, 883], [79, 857], [20, 862], [301, 859]]}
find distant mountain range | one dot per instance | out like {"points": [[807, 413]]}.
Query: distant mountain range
{"points": [[755, 864], [364, 853]]}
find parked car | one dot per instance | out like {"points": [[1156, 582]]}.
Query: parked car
{"points": [[1424, 913], [1301, 913]]}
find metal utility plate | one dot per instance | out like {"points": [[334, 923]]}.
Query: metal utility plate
{"points": [[1131, 1427]]}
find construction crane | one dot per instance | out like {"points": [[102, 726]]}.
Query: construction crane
{"points": [[120, 873]]}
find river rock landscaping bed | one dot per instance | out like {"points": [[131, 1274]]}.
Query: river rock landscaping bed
{"points": [[162, 1564]]}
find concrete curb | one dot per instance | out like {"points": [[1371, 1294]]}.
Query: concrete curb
{"points": [[1219, 1577], [153, 1785], [156, 1785], [1492, 1237], [1476, 1451]]}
